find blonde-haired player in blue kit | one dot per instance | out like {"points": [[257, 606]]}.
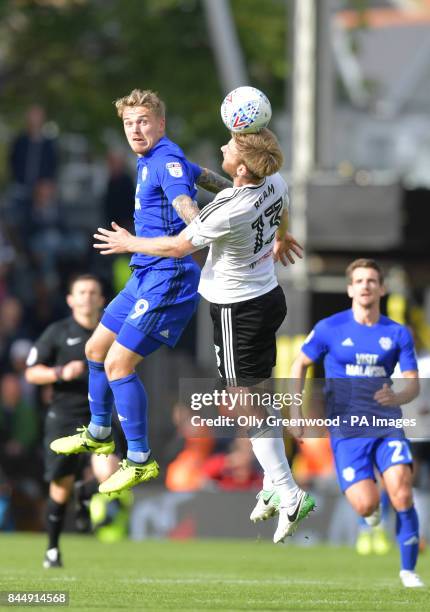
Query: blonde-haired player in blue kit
{"points": [[360, 348], [156, 304]]}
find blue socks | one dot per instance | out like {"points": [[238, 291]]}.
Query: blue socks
{"points": [[131, 404], [407, 537], [100, 396]]}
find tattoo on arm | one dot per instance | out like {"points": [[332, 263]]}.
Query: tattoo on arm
{"points": [[186, 208], [213, 182]]}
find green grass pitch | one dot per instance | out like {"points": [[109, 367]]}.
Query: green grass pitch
{"points": [[210, 575]]}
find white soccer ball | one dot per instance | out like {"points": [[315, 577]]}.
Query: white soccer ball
{"points": [[246, 109]]}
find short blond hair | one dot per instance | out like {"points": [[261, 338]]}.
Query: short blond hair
{"points": [[364, 262], [142, 97], [260, 152]]}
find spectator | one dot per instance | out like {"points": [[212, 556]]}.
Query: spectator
{"points": [[52, 244], [185, 472], [118, 201], [7, 258], [6, 522], [11, 328], [18, 430], [314, 462], [18, 353], [234, 470], [32, 156]]}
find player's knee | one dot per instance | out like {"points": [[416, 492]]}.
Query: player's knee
{"points": [[115, 367], [402, 498], [366, 507], [93, 351]]}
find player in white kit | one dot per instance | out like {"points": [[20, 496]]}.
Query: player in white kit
{"points": [[246, 228]]}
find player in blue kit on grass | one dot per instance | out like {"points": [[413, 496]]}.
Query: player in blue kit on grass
{"points": [[157, 302], [360, 348]]}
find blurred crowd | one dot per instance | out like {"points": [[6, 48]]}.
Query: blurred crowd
{"points": [[42, 244]]}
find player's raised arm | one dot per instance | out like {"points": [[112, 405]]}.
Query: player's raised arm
{"points": [[186, 207], [213, 182], [286, 246]]}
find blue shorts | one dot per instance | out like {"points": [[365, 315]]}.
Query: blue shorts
{"points": [[356, 458], [154, 307]]}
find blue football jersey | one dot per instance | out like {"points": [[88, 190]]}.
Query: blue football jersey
{"points": [[358, 360], [162, 174]]}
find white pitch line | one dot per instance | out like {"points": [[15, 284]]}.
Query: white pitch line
{"points": [[216, 580]]}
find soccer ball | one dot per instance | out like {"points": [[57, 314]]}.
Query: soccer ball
{"points": [[246, 109]]}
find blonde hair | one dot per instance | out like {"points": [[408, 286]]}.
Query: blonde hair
{"points": [[364, 262], [141, 97], [260, 152]]}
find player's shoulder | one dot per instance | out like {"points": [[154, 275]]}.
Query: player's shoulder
{"points": [[223, 198], [334, 320], [387, 322], [216, 210], [393, 326], [279, 180], [227, 194], [59, 326], [53, 333], [165, 149]]}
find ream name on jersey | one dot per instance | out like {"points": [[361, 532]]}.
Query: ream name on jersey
{"points": [[270, 190], [365, 365]]}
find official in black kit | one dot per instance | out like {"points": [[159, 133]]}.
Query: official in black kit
{"points": [[61, 347], [58, 358]]}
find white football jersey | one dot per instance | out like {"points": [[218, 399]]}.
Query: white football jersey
{"points": [[240, 226]]}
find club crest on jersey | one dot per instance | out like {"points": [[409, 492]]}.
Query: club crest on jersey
{"points": [[144, 174], [386, 343], [175, 169]]}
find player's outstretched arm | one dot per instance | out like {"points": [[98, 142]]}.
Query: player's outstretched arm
{"points": [[213, 182], [119, 240]]}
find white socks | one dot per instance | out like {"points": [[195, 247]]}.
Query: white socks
{"points": [[270, 454], [267, 482]]}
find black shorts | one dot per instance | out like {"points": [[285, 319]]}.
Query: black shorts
{"points": [[59, 466], [245, 337]]}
